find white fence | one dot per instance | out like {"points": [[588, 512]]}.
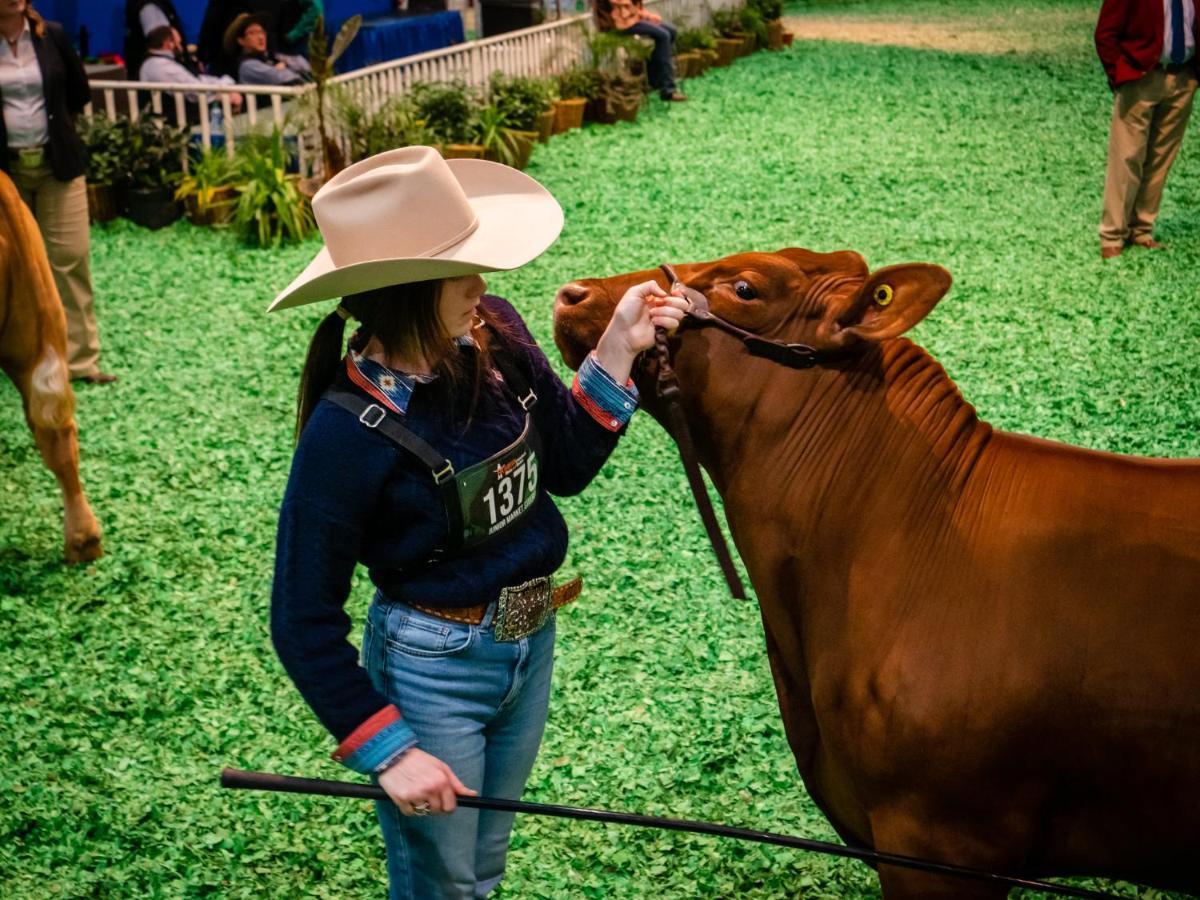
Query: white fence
{"points": [[539, 51]]}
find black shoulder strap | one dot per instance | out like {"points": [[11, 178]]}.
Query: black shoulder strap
{"points": [[374, 416], [514, 377]]}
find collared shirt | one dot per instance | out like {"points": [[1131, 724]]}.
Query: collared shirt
{"points": [[262, 69], [24, 99], [162, 66], [1189, 30]]}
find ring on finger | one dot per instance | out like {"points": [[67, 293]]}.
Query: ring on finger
{"points": [[421, 809]]}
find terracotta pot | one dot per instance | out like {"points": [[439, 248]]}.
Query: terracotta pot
{"points": [[727, 50], [102, 203], [775, 34], [568, 114], [687, 64], [788, 37], [545, 125], [463, 151], [217, 212]]}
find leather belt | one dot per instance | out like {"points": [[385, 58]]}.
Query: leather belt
{"points": [[560, 596]]}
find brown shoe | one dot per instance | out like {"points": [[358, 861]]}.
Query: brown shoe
{"points": [[1150, 244], [96, 378], [1108, 251], [674, 97]]}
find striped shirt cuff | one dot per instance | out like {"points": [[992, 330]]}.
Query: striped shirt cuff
{"points": [[376, 743], [609, 403]]}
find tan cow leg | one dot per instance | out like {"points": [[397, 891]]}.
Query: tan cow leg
{"points": [[49, 406]]}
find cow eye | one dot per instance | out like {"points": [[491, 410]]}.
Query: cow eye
{"points": [[884, 294], [744, 290]]}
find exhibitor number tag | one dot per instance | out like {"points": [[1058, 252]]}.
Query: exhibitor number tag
{"points": [[499, 491]]}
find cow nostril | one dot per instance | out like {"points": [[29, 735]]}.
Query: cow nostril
{"points": [[572, 294]]}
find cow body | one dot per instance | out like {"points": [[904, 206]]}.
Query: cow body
{"points": [[983, 644], [33, 353]]}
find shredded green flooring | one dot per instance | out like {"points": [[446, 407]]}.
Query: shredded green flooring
{"points": [[129, 683]]}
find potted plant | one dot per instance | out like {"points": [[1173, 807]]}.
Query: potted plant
{"points": [[207, 189], [617, 91], [154, 165], [493, 134], [107, 149], [448, 111], [771, 12], [526, 103], [576, 86], [270, 209], [397, 123], [731, 39], [754, 25], [691, 44], [322, 59]]}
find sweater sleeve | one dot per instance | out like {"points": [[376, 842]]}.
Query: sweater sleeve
{"points": [[337, 475], [575, 426], [1113, 14]]}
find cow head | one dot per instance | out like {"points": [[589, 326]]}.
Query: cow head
{"points": [[829, 301]]}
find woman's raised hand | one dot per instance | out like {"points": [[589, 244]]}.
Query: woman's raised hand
{"points": [[644, 307], [420, 783]]}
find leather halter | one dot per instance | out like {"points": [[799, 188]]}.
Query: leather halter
{"points": [[795, 356]]}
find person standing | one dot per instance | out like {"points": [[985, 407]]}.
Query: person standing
{"points": [[43, 87], [428, 451], [1148, 50]]}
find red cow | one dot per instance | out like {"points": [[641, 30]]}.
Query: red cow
{"points": [[984, 645], [33, 353]]}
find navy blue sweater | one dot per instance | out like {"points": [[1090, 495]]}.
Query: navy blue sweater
{"points": [[353, 497]]}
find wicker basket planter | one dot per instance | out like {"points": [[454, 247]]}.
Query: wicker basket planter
{"points": [[568, 114], [102, 202], [545, 125], [728, 50], [687, 65], [463, 151], [775, 34], [217, 212]]}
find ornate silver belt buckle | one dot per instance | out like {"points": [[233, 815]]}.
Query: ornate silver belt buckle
{"points": [[524, 609]]}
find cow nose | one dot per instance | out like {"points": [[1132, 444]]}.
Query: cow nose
{"points": [[572, 294]]}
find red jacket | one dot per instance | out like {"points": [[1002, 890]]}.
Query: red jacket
{"points": [[1129, 38]]}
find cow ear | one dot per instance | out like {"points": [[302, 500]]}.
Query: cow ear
{"points": [[891, 301]]}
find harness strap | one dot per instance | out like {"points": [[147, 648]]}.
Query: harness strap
{"points": [[374, 416]]}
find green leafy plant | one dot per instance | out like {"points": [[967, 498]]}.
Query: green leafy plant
{"points": [[322, 59], [691, 39], [520, 98], [397, 123], [768, 9], [448, 110], [153, 152], [270, 208], [753, 23], [494, 134], [606, 51], [208, 184], [578, 82], [107, 146], [726, 22]]}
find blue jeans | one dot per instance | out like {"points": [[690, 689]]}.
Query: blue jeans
{"points": [[479, 706], [662, 65]]}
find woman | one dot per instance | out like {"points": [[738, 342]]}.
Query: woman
{"points": [[426, 454], [42, 89]]}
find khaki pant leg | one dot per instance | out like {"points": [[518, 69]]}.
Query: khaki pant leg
{"points": [[1166, 135], [60, 208], [1133, 112]]}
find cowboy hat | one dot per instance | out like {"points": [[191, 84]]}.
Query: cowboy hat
{"points": [[237, 28], [408, 215]]}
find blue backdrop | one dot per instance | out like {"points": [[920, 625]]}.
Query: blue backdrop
{"points": [[105, 19]]}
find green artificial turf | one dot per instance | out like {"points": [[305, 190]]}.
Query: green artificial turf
{"points": [[129, 683]]}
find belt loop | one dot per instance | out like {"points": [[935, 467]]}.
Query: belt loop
{"points": [[489, 616]]}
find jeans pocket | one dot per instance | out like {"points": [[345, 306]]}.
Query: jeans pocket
{"points": [[417, 634]]}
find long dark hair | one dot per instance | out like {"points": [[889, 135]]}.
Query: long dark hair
{"points": [[404, 318]]}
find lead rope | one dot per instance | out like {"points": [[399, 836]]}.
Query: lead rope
{"points": [[667, 390], [263, 781]]}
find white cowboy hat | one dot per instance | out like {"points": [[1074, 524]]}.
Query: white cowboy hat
{"points": [[408, 215]]}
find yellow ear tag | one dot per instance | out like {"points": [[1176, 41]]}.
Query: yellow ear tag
{"points": [[884, 294]]}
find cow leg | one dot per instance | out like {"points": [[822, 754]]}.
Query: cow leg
{"points": [[49, 409], [951, 842]]}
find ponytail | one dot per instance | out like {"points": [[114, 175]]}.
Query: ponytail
{"points": [[320, 366]]}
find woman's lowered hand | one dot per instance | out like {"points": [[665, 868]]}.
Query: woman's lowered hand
{"points": [[420, 784], [644, 308]]}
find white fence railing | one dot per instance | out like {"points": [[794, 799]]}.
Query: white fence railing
{"points": [[543, 50]]}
